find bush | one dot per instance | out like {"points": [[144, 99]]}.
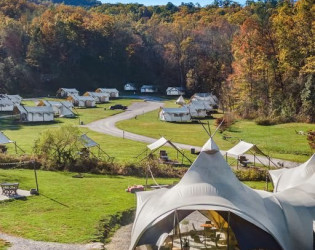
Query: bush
{"points": [[265, 121], [229, 119], [251, 174], [311, 139]]}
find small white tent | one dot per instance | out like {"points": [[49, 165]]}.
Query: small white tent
{"points": [[175, 115], [206, 97], [65, 92], [180, 100], [114, 93], [175, 91], [258, 219], [35, 114], [148, 89], [130, 87], [286, 178], [82, 101], [99, 97]]}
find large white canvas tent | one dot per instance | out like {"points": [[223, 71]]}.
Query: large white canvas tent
{"points": [[180, 100], [175, 91], [65, 92], [5, 140], [175, 115], [111, 91], [286, 178], [34, 114], [99, 97], [61, 108], [258, 219], [89, 143], [82, 101]]}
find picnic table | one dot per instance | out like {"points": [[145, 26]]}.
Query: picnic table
{"points": [[9, 188]]}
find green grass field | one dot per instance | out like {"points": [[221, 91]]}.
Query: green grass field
{"points": [[279, 141], [68, 209]]}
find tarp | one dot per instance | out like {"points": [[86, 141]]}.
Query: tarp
{"points": [[160, 143], [87, 141], [287, 178], [242, 147], [4, 139], [284, 219]]}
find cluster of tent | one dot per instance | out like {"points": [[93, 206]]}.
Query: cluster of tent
{"points": [[199, 106], [89, 98], [258, 219]]}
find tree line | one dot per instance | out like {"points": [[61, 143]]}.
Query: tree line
{"points": [[258, 58]]}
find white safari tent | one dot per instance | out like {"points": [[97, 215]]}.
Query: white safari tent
{"points": [[197, 110], [89, 143], [34, 114], [82, 101], [148, 89], [6, 104], [16, 99], [287, 178], [61, 108], [130, 87], [5, 140], [175, 115], [99, 97], [180, 101], [205, 97], [114, 93], [175, 91], [65, 92], [250, 219]]}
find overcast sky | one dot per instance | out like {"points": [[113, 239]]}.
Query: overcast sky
{"points": [[163, 2]]}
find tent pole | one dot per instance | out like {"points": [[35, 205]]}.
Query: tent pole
{"points": [[238, 159], [226, 157], [254, 160], [180, 236], [15, 148], [228, 231], [146, 178], [174, 225]]}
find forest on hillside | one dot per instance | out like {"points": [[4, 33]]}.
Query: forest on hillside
{"points": [[258, 59]]}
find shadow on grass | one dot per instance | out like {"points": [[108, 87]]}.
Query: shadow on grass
{"points": [[41, 194]]}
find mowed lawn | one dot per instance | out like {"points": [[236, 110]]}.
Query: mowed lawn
{"points": [[279, 141], [68, 209]]}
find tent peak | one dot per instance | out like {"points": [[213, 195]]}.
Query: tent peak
{"points": [[210, 147]]}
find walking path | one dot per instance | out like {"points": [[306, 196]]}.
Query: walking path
{"points": [[107, 126]]}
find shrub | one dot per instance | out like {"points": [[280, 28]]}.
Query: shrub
{"points": [[265, 121], [229, 119], [311, 139], [251, 174]]}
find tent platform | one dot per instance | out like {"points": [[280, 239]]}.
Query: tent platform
{"points": [[21, 194]]}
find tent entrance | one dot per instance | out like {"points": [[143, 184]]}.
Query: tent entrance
{"points": [[205, 229]]}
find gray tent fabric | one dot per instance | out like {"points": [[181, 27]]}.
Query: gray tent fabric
{"points": [[4, 139], [284, 218], [286, 178], [87, 141]]}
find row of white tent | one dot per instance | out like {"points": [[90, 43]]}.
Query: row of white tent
{"points": [[199, 106], [105, 92], [173, 91], [259, 219]]}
